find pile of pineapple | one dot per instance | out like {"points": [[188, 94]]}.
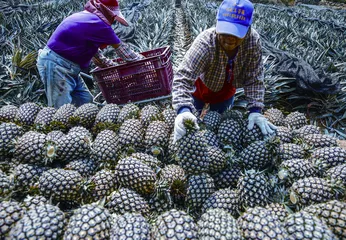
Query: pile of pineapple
{"points": [[114, 172]]}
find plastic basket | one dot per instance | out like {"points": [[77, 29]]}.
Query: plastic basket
{"points": [[143, 79]]}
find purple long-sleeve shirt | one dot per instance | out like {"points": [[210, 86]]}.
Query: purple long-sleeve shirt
{"points": [[79, 36]]}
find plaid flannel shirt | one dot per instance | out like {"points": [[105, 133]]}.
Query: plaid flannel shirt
{"points": [[206, 59]]}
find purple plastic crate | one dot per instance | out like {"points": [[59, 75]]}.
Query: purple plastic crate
{"points": [[143, 79]]}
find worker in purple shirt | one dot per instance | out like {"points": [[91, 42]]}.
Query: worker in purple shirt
{"points": [[73, 45], [221, 59]]}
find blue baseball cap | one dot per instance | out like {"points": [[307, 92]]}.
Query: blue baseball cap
{"points": [[234, 17]]}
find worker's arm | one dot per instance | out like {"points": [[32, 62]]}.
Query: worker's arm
{"points": [[126, 53]]}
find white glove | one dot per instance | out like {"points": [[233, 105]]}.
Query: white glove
{"points": [[179, 128], [258, 119]]}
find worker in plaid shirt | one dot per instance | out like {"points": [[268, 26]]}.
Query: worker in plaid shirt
{"points": [[76, 41], [220, 60]]}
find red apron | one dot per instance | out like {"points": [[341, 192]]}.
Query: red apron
{"points": [[206, 95]]}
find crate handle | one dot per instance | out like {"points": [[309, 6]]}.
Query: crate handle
{"points": [[169, 58]]}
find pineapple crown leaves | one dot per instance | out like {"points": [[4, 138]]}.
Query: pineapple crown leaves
{"points": [[190, 125], [99, 127]]}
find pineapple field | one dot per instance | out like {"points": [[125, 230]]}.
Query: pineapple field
{"points": [[110, 171]]}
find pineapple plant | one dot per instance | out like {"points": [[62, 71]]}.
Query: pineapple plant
{"points": [[218, 224], [40, 222], [254, 189], [8, 113], [135, 174], [27, 113], [225, 199], [10, 213], [275, 116], [157, 137], [199, 189], [90, 221], [212, 120], [192, 151], [259, 223], [126, 200], [129, 111], [130, 226], [175, 224], [295, 120], [131, 136], [333, 213], [61, 185], [303, 225], [311, 190], [85, 115]]}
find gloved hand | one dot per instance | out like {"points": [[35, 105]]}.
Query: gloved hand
{"points": [[258, 119], [179, 128], [101, 61]]}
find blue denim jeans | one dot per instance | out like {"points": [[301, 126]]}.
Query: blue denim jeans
{"points": [[61, 80], [218, 107]]}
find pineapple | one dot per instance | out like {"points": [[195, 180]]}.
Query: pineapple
{"points": [[159, 204], [312, 190], [54, 136], [302, 225], [62, 116], [26, 175], [134, 174], [305, 130], [328, 157], [275, 116], [61, 185], [8, 113], [129, 111], [333, 213], [289, 151], [233, 114], [210, 137], [294, 169], [174, 176], [73, 146], [40, 222], [320, 140], [85, 115], [225, 199], [199, 189], [131, 226], [44, 117], [278, 210], [192, 151], [229, 133], [131, 135], [218, 224], [126, 200], [149, 160], [8, 133], [6, 185], [27, 113], [217, 158], [258, 155], [80, 130], [254, 189], [259, 223], [33, 201], [85, 167], [169, 116], [10, 213], [102, 184], [212, 120], [228, 178], [250, 136], [108, 114], [295, 120], [90, 221], [284, 134], [34, 148], [106, 148], [148, 114], [175, 224], [157, 137], [337, 173]]}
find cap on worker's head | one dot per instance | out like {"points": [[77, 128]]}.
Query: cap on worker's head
{"points": [[113, 5], [234, 17]]}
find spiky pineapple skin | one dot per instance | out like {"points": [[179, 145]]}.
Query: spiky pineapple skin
{"points": [[278, 210], [225, 199], [73, 146], [108, 114], [85, 167], [275, 116], [295, 120], [131, 135], [106, 148], [8, 133], [8, 113], [212, 120], [85, 115], [228, 177], [129, 111], [131, 226], [328, 157], [103, 183], [10, 213], [44, 116], [27, 113], [294, 169]]}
